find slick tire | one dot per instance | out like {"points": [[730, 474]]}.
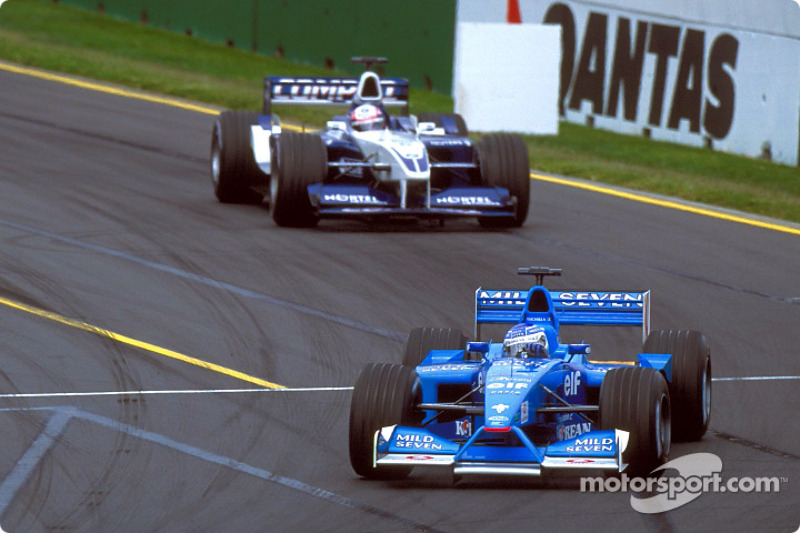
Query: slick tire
{"points": [[637, 400], [453, 123], [422, 340], [300, 160], [690, 389], [384, 395], [234, 172], [504, 163]]}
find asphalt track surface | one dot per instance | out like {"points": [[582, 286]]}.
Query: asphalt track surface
{"points": [[119, 272]]}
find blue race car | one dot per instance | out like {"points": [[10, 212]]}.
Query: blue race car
{"points": [[367, 164], [531, 404]]}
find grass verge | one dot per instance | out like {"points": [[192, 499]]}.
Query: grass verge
{"points": [[59, 38]]}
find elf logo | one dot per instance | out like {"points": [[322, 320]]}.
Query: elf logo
{"points": [[572, 383]]}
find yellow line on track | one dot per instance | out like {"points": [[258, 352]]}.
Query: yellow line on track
{"points": [[107, 89], [67, 80], [77, 324], [125, 93], [666, 203]]}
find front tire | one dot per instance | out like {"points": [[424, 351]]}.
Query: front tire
{"points": [[301, 160], [504, 163], [234, 171], [690, 389], [384, 395], [422, 340], [637, 400]]}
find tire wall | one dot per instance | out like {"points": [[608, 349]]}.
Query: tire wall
{"points": [[415, 35]]}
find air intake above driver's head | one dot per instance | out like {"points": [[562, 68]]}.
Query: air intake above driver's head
{"points": [[369, 88], [538, 302]]}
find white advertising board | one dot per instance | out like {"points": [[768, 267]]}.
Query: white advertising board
{"points": [[717, 73], [498, 87]]}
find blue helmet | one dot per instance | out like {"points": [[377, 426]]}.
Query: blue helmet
{"points": [[525, 341]]}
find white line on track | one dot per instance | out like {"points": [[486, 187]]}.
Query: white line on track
{"points": [[57, 425], [294, 389], [757, 378]]}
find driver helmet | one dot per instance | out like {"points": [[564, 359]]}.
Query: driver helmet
{"points": [[525, 341], [367, 117]]}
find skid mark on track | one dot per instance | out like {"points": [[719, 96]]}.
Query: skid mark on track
{"points": [[83, 326], [96, 137], [30, 460], [63, 414], [221, 285], [755, 446], [608, 256], [31, 395]]}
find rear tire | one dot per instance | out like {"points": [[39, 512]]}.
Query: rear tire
{"points": [[233, 170], [504, 163], [690, 389], [301, 159], [423, 340], [637, 400], [384, 395]]}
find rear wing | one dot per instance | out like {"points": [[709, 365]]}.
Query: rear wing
{"points": [[329, 91], [615, 308]]}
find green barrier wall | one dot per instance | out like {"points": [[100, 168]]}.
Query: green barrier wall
{"points": [[416, 36]]}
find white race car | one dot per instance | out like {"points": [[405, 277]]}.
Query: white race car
{"points": [[367, 163]]}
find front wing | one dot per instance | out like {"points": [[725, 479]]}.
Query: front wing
{"points": [[399, 445], [348, 200]]}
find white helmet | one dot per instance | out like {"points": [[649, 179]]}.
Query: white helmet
{"points": [[525, 341], [367, 117]]}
